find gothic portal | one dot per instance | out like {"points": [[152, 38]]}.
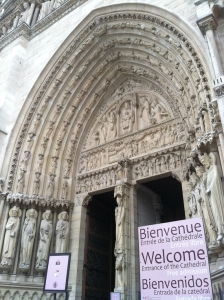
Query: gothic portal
{"points": [[112, 118]]}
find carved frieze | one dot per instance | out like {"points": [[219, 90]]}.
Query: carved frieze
{"points": [[165, 160]]}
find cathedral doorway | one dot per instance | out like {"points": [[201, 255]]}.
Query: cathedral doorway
{"points": [[99, 260], [160, 201], [170, 191]]}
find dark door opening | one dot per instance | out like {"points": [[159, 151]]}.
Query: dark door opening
{"points": [[170, 191], [99, 260]]}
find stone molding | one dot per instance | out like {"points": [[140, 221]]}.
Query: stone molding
{"points": [[36, 200]]}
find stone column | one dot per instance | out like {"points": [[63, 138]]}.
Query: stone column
{"points": [[77, 235], [122, 242], [134, 253], [207, 26]]}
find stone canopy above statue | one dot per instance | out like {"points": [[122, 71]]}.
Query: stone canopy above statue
{"points": [[132, 107]]}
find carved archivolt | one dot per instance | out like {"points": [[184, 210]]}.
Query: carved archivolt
{"points": [[112, 95]]}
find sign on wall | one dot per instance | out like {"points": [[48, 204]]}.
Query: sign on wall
{"points": [[56, 279], [174, 261], [115, 296]]}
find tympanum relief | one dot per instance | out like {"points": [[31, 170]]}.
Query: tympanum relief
{"points": [[128, 110], [133, 122]]}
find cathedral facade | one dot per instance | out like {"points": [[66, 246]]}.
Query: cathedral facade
{"points": [[111, 117]]}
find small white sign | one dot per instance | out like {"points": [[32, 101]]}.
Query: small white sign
{"points": [[115, 296]]}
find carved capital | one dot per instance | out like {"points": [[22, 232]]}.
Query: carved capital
{"points": [[121, 189], [207, 23], [178, 175], [208, 138], [83, 199], [218, 86]]}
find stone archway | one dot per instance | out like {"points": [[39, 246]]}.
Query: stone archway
{"points": [[126, 99]]}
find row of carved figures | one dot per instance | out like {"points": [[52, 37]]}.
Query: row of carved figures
{"points": [[206, 198], [29, 231], [31, 15], [146, 167], [158, 138]]}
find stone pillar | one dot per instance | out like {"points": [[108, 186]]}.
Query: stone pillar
{"points": [[122, 242], [134, 252], [77, 242]]}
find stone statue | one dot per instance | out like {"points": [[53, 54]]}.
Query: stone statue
{"points": [[57, 3], [192, 204], [21, 181], [62, 233], [119, 243], [158, 112], [119, 219], [64, 190], [45, 10], [27, 240], [25, 15], [40, 162], [44, 242], [36, 185], [104, 128], [119, 266], [51, 185], [207, 215], [54, 164], [145, 112], [127, 117], [214, 192], [206, 121], [25, 159], [112, 129], [11, 232]]}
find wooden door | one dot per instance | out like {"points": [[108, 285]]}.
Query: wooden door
{"points": [[98, 271]]}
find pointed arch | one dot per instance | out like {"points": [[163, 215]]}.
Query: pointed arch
{"points": [[112, 45]]}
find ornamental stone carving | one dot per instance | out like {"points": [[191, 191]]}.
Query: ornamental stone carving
{"points": [[10, 238]]}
